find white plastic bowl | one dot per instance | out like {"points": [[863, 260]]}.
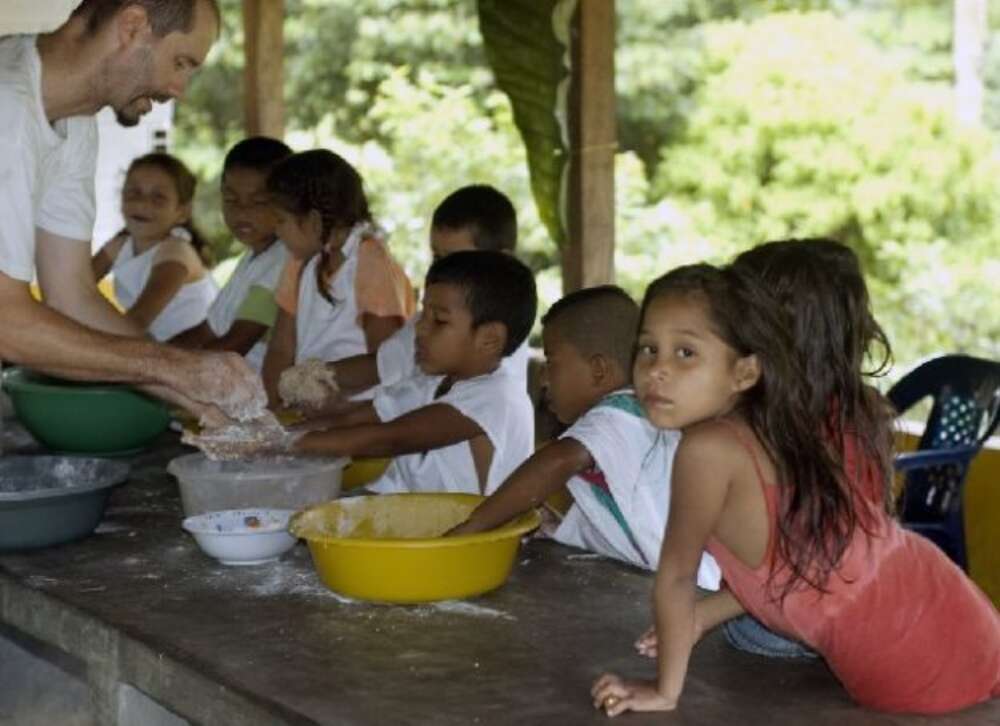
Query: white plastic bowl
{"points": [[284, 483], [242, 536]]}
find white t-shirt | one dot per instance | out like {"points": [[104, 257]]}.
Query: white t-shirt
{"points": [[497, 402], [620, 506], [261, 270], [395, 357], [46, 171], [186, 309], [325, 330]]}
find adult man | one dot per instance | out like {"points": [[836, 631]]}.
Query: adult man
{"points": [[119, 53]]}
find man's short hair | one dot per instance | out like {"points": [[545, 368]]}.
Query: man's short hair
{"points": [[602, 320], [259, 153], [165, 16], [498, 288], [484, 210]]}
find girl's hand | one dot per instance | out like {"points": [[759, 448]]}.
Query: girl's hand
{"points": [[646, 643], [617, 696]]}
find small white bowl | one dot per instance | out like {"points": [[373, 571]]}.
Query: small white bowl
{"points": [[242, 536]]}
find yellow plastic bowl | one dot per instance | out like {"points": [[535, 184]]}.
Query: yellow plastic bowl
{"points": [[389, 548], [362, 471]]}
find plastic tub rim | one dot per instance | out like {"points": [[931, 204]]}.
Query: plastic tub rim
{"points": [[118, 475], [186, 523], [322, 465], [519, 526]]}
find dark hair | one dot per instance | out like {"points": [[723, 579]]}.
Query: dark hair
{"points": [[820, 284], [598, 320], [486, 211], [497, 286], [185, 183], [165, 16], [322, 181], [818, 509], [260, 153]]}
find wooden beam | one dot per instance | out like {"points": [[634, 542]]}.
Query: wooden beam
{"points": [[264, 48], [588, 256]]}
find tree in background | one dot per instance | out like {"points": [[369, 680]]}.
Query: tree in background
{"points": [[738, 124]]}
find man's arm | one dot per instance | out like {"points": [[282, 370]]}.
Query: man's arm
{"points": [[532, 482], [31, 334], [66, 279], [430, 427]]}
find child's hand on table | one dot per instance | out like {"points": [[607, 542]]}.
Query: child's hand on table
{"points": [[616, 695]]}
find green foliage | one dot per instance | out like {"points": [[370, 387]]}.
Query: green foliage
{"points": [[805, 128], [738, 123]]}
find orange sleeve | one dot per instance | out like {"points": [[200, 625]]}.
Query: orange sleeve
{"points": [[286, 294], [381, 286]]}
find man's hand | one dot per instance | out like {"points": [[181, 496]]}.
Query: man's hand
{"points": [[223, 380], [263, 437]]}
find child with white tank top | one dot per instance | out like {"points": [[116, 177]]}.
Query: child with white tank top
{"points": [[160, 277], [342, 293]]}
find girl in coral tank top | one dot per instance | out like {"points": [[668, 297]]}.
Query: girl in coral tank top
{"points": [[783, 474]]}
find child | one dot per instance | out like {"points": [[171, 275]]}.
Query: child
{"points": [[351, 295], [792, 508], [244, 310], [462, 424], [474, 217], [616, 463], [160, 277]]}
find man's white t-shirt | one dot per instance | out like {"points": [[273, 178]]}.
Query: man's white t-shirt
{"points": [[46, 171], [396, 362], [497, 402]]}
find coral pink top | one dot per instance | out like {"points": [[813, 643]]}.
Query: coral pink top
{"points": [[901, 627]]}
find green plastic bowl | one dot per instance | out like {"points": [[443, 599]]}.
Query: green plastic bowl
{"points": [[83, 418]]}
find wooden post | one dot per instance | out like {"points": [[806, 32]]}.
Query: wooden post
{"points": [[263, 86], [588, 256]]}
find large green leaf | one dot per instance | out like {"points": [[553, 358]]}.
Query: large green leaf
{"points": [[526, 46]]}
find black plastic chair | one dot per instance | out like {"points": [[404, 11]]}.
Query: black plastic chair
{"points": [[965, 412]]}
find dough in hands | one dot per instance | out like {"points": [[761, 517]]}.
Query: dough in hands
{"points": [[307, 385]]}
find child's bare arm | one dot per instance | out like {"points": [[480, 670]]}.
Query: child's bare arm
{"points": [[709, 612], [197, 337], [541, 475], [378, 328], [165, 280], [700, 482], [280, 354], [430, 427], [356, 373]]}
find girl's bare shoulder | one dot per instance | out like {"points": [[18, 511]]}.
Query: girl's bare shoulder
{"points": [[721, 445]]}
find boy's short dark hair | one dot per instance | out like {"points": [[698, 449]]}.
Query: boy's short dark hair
{"points": [[483, 209], [600, 320], [498, 288], [259, 153]]}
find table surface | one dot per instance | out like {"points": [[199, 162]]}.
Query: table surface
{"points": [[270, 644]]}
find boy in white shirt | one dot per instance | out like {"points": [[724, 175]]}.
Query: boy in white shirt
{"points": [[244, 311], [614, 462], [473, 217], [461, 423]]}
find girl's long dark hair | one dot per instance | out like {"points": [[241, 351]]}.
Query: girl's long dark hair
{"points": [[804, 425], [323, 181], [185, 183]]}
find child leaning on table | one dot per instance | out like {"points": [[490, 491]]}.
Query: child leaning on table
{"points": [[794, 506], [244, 311], [614, 462], [460, 424]]}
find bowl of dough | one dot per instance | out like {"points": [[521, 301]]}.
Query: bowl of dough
{"points": [[391, 548]]}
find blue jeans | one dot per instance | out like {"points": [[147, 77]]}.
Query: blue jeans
{"points": [[747, 634]]}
